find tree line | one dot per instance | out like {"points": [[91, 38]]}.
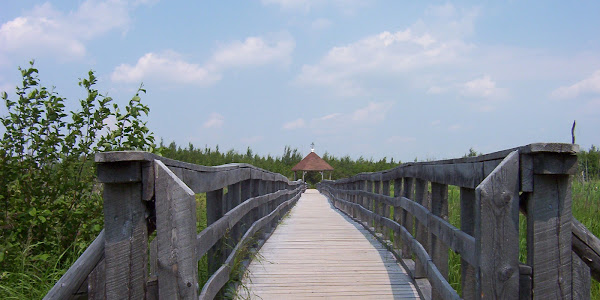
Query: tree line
{"points": [[343, 166]]}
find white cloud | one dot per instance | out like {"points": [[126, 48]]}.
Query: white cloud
{"points": [[320, 24], [45, 30], [254, 51], [295, 124], [330, 116], [373, 112], [483, 87], [168, 66], [346, 68], [215, 120], [590, 85]]}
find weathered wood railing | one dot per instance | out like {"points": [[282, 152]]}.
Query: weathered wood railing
{"points": [[534, 179], [144, 193]]}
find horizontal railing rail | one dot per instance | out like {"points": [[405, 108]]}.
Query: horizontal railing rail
{"points": [[561, 254], [144, 193]]}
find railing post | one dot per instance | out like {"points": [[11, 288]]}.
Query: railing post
{"points": [[549, 219], [497, 232], [386, 208], [398, 212], [370, 205], [421, 229], [214, 211], [126, 235], [437, 250], [378, 205], [467, 224], [407, 192]]}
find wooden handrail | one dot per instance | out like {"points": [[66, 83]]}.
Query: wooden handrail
{"points": [[144, 192], [492, 188]]}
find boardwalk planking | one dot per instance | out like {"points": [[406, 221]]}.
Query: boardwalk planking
{"points": [[317, 252]]}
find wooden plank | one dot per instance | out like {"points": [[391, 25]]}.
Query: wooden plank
{"points": [[214, 211], [525, 283], [438, 250], [222, 275], [549, 236], [467, 225], [126, 240], [421, 233], [293, 266], [497, 231], [176, 235], [79, 271], [385, 190], [96, 282], [397, 211], [407, 219], [582, 282], [587, 246]]}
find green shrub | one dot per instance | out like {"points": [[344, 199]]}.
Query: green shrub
{"points": [[49, 197]]}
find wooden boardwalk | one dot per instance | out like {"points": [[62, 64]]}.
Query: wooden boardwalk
{"points": [[317, 252]]}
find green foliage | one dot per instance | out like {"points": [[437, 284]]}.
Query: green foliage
{"points": [[589, 164], [48, 194]]}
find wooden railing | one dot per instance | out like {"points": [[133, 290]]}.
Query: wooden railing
{"points": [[494, 188], [144, 193]]}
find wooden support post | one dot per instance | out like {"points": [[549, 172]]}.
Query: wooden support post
{"points": [[214, 211], [497, 232], [439, 251], [385, 207], [407, 220], [235, 198], [467, 224], [176, 234], [378, 205], [126, 235], [398, 212], [246, 193], [549, 236], [421, 229], [370, 205]]}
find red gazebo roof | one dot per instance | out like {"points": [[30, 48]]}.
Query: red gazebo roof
{"points": [[312, 162]]}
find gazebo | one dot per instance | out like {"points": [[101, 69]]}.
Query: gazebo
{"points": [[312, 162]]}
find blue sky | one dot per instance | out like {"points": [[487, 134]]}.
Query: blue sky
{"points": [[399, 79]]}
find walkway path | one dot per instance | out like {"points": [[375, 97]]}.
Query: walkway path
{"points": [[317, 252]]}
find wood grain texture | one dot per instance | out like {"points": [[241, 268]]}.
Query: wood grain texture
{"points": [[176, 234], [467, 225], [421, 231], [497, 231], [549, 236], [126, 240], [318, 252], [407, 220]]}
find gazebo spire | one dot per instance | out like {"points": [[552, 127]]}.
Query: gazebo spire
{"points": [[312, 147]]}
